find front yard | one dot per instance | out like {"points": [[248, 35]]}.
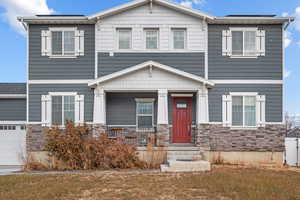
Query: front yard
{"points": [[222, 183]]}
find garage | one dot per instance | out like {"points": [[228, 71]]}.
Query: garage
{"points": [[12, 144]]}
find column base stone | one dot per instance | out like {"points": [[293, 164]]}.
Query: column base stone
{"points": [[163, 135]]}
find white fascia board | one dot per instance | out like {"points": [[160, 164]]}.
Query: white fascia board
{"points": [[137, 3], [13, 96], [247, 81], [12, 122], [251, 20], [75, 81], [151, 64]]}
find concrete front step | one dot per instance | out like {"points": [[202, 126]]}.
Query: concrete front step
{"points": [[186, 166], [185, 157]]}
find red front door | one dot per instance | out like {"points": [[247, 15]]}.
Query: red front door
{"points": [[182, 119]]}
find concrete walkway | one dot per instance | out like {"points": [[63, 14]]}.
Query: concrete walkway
{"points": [[17, 172]]}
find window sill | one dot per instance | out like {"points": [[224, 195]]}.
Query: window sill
{"points": [[244, 57], [71, 57]]}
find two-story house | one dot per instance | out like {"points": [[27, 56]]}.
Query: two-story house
{"points": [[154, 66]]}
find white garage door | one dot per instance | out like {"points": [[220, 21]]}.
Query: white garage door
{"points": [[12, 144]]}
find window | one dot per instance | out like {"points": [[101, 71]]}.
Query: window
{"points": [[244, 111], [144, 114], [63, 109], [124, 38], [63, 43], [179, 38], [244, 42], [151, 38]]}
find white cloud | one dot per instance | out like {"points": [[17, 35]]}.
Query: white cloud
{"points": [[297, 20], [15, 8], [286, 73], [191, 3], [285, 14], [287, 38]]}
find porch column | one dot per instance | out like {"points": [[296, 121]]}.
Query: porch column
{"points": [[202, 106], [202, 119], [99, 115], [163, 132]]}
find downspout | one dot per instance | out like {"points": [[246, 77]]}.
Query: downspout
{"points": [[287, 25], [151, 6], [24, 24]]}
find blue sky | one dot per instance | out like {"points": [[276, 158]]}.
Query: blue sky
{"points": [[13, 41]]}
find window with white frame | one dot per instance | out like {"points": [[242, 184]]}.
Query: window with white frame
{"points": [[63, 109], [124, 38], [179, 38], [243, 42], [243, 109], [152, 38], [145, 114], [62, 42]]}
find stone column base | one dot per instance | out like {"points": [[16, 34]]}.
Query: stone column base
{"points": [[163, 135], [99, 129]]}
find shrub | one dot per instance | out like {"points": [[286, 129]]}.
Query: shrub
{"points": [[77, 150]]}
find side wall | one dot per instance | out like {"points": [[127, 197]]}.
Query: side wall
{"points": [[37, 90], [273, 93], [268, 67], [45, 68]]}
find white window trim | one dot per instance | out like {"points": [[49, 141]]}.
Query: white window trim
{"points": [[145, 38], [62, 94], [118, 38], [63, 29], [146, 100], [244, 94], [185, 38], [243, 29]]}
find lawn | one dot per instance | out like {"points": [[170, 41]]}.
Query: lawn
{"points": [[222, 183]]}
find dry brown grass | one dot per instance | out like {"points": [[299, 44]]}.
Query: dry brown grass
{"points": [[222, 183]]}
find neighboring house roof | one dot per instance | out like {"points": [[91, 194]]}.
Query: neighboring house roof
{"points": [[12, 90], [294, 133], [151, 64]]}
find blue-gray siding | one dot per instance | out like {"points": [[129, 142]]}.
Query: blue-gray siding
{"points": [[188, 62], [12, 109], [272, 92], [12, 88], [264, 67], [121, 107], [35, 92], [43, 67]]}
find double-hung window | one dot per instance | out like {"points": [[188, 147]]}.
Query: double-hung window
{"points": [[244, 42], [63, 43], [179, 38], [152, 38], [145, 114], [244, 111], [63, 109], [124, 38]]}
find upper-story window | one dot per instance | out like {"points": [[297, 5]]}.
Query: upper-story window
{"points": [[62, 42], [152, 38], [243, 42], [124, 38], [179, 38]]}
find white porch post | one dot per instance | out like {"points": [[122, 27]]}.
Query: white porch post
{"points": [[202, 106], [99, 106], [162, 107]]}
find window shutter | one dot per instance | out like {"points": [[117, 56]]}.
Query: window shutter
{"points": [[79, 109], [226, 42], [46, 43], [260, 110], [46, 110], [226, 107], [260, 42], [79, 43]]}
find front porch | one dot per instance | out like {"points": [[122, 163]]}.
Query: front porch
{"points": [[151, 102]]}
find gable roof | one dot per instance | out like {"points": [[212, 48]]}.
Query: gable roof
{"points": [[137, 3], [151, 64]]}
